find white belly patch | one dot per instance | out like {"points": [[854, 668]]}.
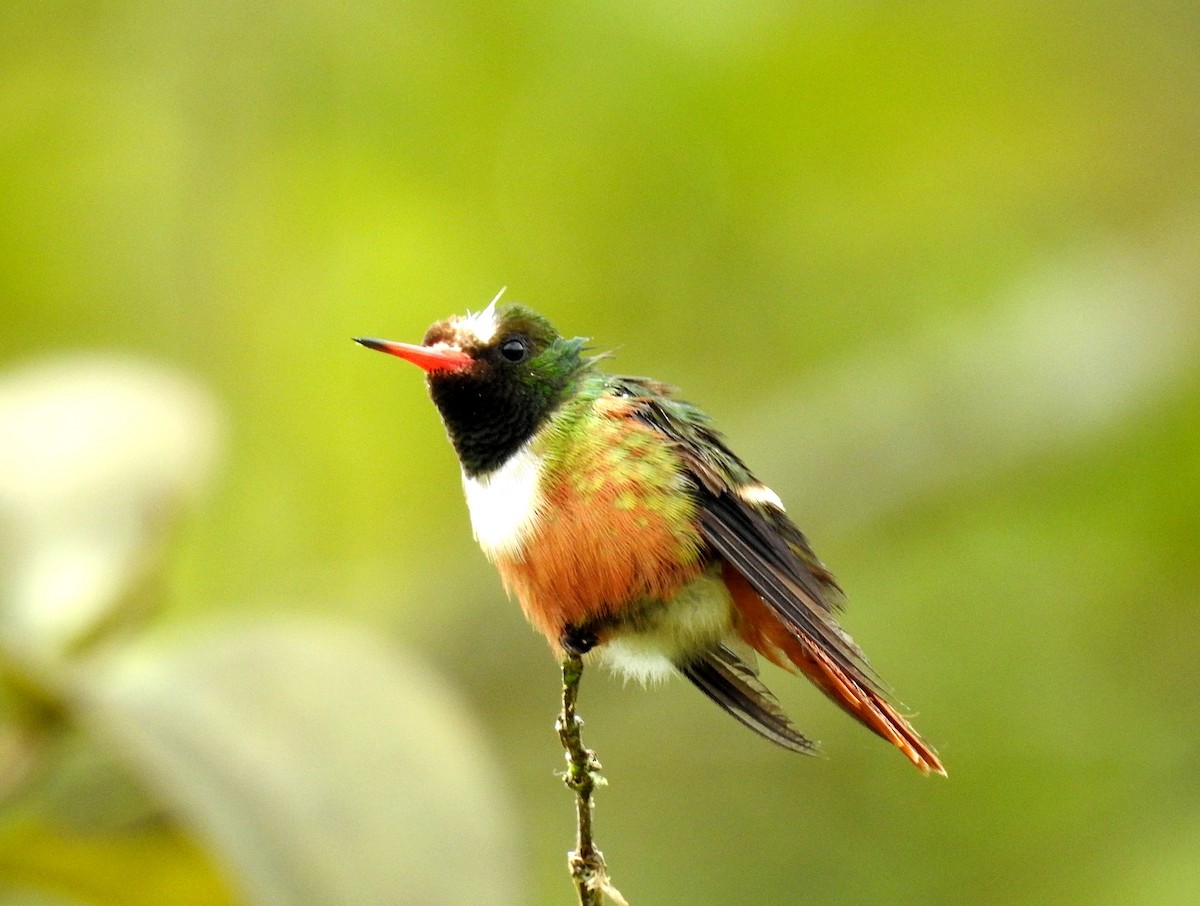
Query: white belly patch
{"points": [[698, 618]]}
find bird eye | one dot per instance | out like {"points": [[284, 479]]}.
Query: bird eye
{"points": [[515, 349]]}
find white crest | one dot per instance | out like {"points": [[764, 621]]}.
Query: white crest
{"points": [[482, 326]]}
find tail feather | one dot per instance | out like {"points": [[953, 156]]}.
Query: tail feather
{"points": [[795, 650], [731, 683], [863, 703]]}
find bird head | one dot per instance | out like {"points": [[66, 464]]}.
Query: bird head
{"points": [[495, 376]]}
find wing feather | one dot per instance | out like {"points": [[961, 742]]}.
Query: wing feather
{"points": [[758, 539], [789, 615]]}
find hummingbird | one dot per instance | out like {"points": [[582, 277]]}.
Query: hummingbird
{"points": [[629, 532]]}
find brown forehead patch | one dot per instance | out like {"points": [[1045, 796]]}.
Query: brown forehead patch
{"points": [[441, 332]]}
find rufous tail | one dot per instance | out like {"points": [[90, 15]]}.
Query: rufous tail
{"points": [[796, 651]]}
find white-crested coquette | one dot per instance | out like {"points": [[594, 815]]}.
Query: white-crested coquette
{"points": [[629, 531]]}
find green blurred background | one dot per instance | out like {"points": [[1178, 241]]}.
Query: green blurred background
{"points": [[933, 267]]}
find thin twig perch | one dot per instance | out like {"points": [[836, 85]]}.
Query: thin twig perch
{"points": [[586, 862]]}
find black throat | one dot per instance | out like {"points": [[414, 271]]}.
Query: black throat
{"points": [[489, 421]]}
